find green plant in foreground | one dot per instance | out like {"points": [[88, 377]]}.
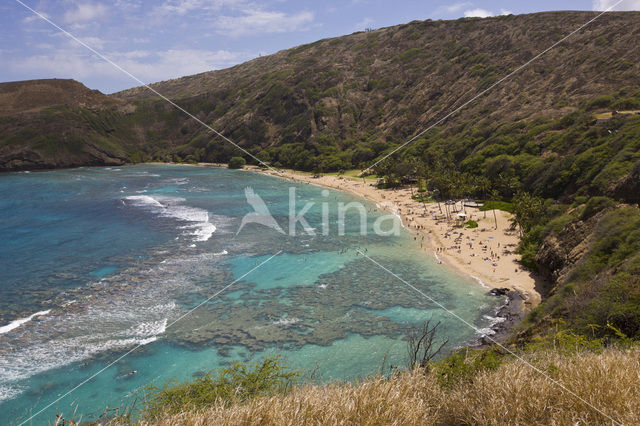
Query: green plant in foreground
{"points": [[238, 383], [463, 365]]}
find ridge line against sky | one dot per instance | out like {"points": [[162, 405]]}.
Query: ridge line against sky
{"points": [[173, 38]]}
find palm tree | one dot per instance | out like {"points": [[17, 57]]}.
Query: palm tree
{"points": [[527, 211], [484, 185], [494, 196]]}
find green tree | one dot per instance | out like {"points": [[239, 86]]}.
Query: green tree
{"points": [[237, 162], [527, 210]]}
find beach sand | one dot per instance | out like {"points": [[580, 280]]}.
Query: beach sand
{"points": [[484, 253]]}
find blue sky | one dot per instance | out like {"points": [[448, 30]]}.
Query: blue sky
{"points": [[163, 39]]}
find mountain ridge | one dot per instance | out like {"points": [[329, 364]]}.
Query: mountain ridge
{"points": [[339, 103]]}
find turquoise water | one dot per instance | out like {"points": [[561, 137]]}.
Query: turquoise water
{"points": [[113, 258]]}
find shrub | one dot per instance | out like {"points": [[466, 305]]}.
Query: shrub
{"points": [[464, 364], [237, 162], [237, 383], [596, 205]]}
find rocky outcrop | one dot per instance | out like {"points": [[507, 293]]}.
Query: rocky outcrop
{"points": [[559, 253], [628, 188]]}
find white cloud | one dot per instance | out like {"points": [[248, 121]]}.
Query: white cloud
{"points": [[93, 42], [85, 12], [149, 66], [505, 12], [452, 8], [625, 5], [182, 7], [477, 13], [33, 17], [260, 21], [364, 24]]}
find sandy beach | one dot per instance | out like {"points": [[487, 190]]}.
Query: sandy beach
{"points": [[485, 253]]}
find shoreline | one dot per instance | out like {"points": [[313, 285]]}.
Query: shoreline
{"points": [[485, 254], [517, 285], [458, 249]]}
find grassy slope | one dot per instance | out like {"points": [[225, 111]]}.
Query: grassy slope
{"points": [[513, 393]]}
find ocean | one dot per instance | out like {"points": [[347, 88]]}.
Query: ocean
{"points": [[97, 261]]}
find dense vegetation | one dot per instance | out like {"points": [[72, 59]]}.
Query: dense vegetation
{"points": [[555, 175]]}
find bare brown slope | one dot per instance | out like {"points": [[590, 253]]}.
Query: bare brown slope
{"points": [[34, 95]]}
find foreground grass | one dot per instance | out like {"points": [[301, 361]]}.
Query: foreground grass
{"points": [[512, 393]]}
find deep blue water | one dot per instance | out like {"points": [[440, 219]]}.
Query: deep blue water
{"points": [[112, 257]]}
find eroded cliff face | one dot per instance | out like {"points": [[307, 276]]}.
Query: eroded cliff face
{"points": [[628, 188], [560, 253]]}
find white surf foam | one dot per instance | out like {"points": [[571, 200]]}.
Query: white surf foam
{"points": [[286, 321], [494, 320], [177, 181], [43, 355], [197, 219], [8, 392], [489, 331], [148, 329], [480, 281], [17, 323], [485, 331], [117, 315], [222, 253]]}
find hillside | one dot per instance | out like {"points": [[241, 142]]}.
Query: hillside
{"points": [[339, 103], [363, 92], [34, 95], [48, 124]]}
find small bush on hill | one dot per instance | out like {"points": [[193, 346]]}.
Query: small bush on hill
{"points": [[595, 205]]}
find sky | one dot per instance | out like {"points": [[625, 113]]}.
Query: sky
{"points": [[163, 39]]}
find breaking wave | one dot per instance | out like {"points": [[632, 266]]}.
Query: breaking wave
{"points": [[197, 220], [17, 323]]}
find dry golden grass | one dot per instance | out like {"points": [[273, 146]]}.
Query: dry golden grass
{"points": [[512, 394]]}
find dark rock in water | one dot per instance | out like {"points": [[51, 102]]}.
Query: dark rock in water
{"points": [[499, 291], [512, 313], [43, 388], [199, 373]]}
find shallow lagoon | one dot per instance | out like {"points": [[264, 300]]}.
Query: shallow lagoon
{"points": [[116, 255]]}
